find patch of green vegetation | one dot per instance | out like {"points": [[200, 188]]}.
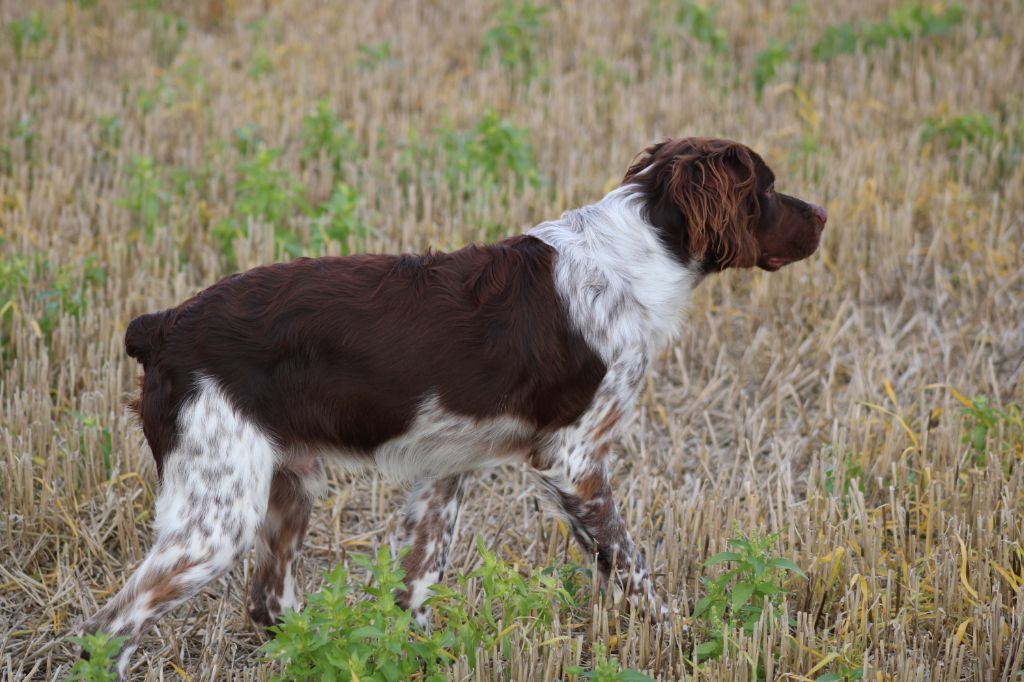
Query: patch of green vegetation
{"points": [[68, 292], [337, 219], [167, 31], [972, 134], [26, 32], [339, 635], [740, 596], [492, 151], [686, 22], [838, 479], [148, 98], [982, 418], [246, 139], [261, 64], [372, 56], [266, 193], [91, 422], [110, 129], [700, 22], [768, 62], [65, 292], [517, 31], [153, 188], [323, 132], [904, 22], [608, 669], [102, 663]]}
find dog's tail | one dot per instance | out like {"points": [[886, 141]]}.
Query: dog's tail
{"points": [[145, 335]]}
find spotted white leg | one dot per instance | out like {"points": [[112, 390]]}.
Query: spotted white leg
{"points": [[213, 496], [576, 478], [428, 525]]}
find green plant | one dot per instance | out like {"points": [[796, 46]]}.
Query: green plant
{"points": [[337, 219], [338, 636], [24, 131], [101, 665], [324, 133], [147, 196], [110, 129], [246, 139], [741, 595], [981, 418], [26, 31], [956, 131], [767, 63], [838, 479], [489, 152], [904, 22], [262, 64], [608, 669], [267, 193], [372, 56], [700, 22], [167, 31], [516, 31]]}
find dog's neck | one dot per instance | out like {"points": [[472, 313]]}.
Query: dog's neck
{"points": [[623, 289]]}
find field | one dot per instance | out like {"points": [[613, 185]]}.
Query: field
{"points": [[857, 414]]}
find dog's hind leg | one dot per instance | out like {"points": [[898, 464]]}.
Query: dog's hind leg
{"points": [[428, 525], [213, 496], [279, 541]]}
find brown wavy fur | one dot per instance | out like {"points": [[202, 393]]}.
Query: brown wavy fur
{"points": [[702, 195]]}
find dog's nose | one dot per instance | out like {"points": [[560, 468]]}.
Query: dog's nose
{"points": [[820, 213]]}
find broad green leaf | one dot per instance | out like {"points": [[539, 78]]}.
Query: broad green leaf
{"points": [[723, 556], [741, 595], [788, 565]]}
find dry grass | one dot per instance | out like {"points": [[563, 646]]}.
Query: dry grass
{"points": [[781, 383]]}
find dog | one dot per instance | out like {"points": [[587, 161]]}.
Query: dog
{"points": [[428, 367]]}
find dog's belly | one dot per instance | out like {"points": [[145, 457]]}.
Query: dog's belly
{"points": [[440, 443]]}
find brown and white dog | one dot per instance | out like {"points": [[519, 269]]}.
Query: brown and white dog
{"points": [[428, 367]]}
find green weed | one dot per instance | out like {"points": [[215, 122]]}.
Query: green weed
{"points": [[608, 669], [699, 21], [324, 133], [493, 150], [266, 193], [355, 630], [982, 418], [261, 64], [246, 139], [689, 23], [102, 663], [904, 22], [26, 31], [972, 135], [739, 596], [768, 62], [516, 32], [91, 422], [167, 31], [337, 219], [372, 56], [838, 479], [956, 131]]}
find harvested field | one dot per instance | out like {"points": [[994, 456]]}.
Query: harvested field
{"points": [[864, 404]]}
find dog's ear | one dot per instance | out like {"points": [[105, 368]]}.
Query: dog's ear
{"points": [[715, 190]]}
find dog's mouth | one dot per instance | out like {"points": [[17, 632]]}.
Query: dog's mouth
{"points": [[772, 263]]}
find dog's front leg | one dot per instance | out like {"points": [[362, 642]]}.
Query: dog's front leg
{"points": [[428, 525], [578, 482]]}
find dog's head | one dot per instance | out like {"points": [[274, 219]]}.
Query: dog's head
{"points": [[714, 202]]}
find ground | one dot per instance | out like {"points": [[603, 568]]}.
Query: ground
{"points": [[863, 404]]}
